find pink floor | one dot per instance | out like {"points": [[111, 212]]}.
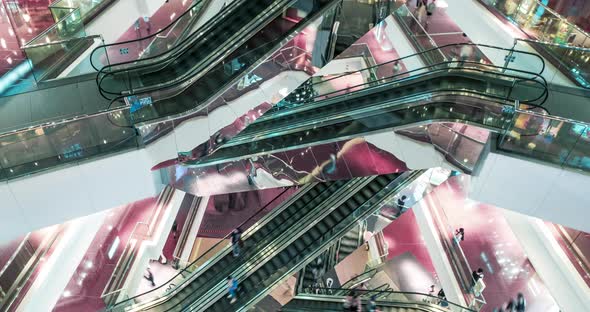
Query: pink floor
{"points": [[29, 18], [172, 240], [227, 211], [380, 48], [576, 245], [490, 244], [43, 232], [408, 255], [166, 14], [85, 288]]}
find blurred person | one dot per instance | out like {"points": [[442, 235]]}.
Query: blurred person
{"points": [[373, 305], [401, 205], [520, 303], [150, 276], [353, 302], [477, 275], [236, 241], [232, 288], [174, 229], [442, 298], [460, 234], [511, 306], [396, 67]]}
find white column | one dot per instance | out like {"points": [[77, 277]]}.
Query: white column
{"points": [[550, 261]]}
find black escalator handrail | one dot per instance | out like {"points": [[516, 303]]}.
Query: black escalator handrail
{"points": [[187, 76], [222, 241], [400, 182], [445, 46], [371, 272], [104, 46], [387, 292], [175, 52], [180, 46], [277, 231], [542, 83], [303, 23]]}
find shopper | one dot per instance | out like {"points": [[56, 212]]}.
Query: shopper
{"points": [[465, 53], [373, 305], [477, 275], [356, 303], [232, 288], [460, 235], [520, 303], [396, 67], [401, 205], [317, 270], [421, 14], [174, 229], [236, 241], [442, 298], [150, 277], [431, 294], [430, 8], [511, 306]]}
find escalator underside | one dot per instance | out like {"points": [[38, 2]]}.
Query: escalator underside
{"points": [[325, 303], [464, 96]]}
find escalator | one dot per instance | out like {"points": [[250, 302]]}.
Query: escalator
{"points": [[453, 91], [283, 242], [386, 301], [198, 79], [281, 218], [206, 43], [239, 28], [261, 274], [345, 246]]}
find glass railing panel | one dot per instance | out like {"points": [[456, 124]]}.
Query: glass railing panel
{"points": [[152, 45], [549, 33], [459, 148], [88, 8], [50, 60], [570, 60], [388, 297], [191, 94], [555, 140], [42, 148], [195, 54], [420, 37], [63, 39], [459, 263], [203, 262]]}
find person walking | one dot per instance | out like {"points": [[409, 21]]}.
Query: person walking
{"points": [[174, 229], [520, 303], [373, 305], [150, 277], [442, 298], [236, 241], [401, 205], [460, 235], [232, 289], [511, 306], [477, 275]]}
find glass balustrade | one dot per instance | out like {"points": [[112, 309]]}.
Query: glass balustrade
{"points": [[150, 46], [552, 35], [40, 148], [384, 297], [556, 140], [88, 8]]}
